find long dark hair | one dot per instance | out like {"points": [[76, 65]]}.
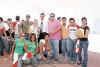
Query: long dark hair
{"points": [[32, 34]]}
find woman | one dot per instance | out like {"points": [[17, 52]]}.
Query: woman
{"points": [[34, 28], [84, 43], [31, 44], [18, 49]]}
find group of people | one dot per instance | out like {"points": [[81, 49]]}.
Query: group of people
{"points": [[42, 38]]}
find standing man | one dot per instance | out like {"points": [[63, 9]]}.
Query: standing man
{"points": [[65, 38], [73, 27], [17, 24], [42, 23], [24, 27], [3, 40], [54, 29], [43, 26], [60, 44]]}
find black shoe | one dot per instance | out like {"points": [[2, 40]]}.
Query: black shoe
{"points": [[74, 62], [56, 59], [1, 54], [84, 66], [79, 63]]}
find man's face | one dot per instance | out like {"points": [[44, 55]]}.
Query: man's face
{"points": [[46, 37], [64, 21], [60, 19], [27, 18], [52, 17], [72, 22], [42, 17]]}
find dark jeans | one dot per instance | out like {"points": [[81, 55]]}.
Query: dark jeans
{"points": [[60, 46], [4, 46], [1, 44], [84, 45]]}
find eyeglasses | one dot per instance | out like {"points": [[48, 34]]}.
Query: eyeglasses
{"points": [[63, 20], [52, 16]]}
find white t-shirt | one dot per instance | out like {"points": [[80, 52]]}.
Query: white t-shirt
{"points": [[45, 25], [72, 32], [5, 25], [17, 27]]}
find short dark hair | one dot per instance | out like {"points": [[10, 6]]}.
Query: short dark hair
{"points": [[64, 18], [9, 19], [1, 18], [52, 14], [45, 34], [71, 19], [42, 14], [84, 18], [58, 18], [17, 18]]}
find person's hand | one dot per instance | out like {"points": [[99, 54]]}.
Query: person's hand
{"points": [[11, 56], [51, 33], [7, 39], [44, 59]]}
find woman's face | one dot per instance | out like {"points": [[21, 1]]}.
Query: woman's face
{"points": [[35, 22], [84, 22], [46, 38], [22, 36], [33, 38]]}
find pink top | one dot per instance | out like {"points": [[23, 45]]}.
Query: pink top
{"points": [[54, 26]]}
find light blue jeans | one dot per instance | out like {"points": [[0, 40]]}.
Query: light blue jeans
{"points": [[84, 45], [70, 49], [65, 46], [20, 61], [54, 48]]}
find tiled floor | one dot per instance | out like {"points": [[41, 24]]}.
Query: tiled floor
{"points": [[94, 61]]}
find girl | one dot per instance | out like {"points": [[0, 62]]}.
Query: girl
{"points": [[18, 50], [84, 43]]}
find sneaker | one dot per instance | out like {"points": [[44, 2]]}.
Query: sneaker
{"points": [[74, 62], [84, 66], [79, 63], [69, 61], [1, 54]]}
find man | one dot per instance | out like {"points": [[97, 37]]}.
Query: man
{"points": [[54, 29], [59, 19], [24, 27], [16, 27], [43, 26], [60, 45], [3, 41], [42, 23], [65, 37], [73, 27]]}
